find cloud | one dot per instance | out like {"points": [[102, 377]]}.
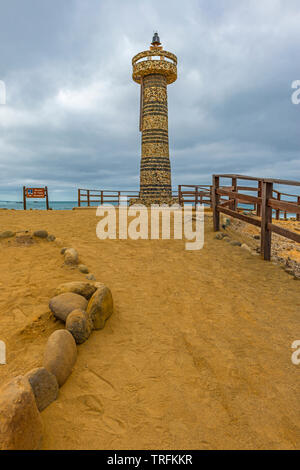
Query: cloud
{"points": [[71, 118]]}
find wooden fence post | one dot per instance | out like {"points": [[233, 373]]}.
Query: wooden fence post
{"points": [[277, 210], [259, 194], [88, 197], [179, 195], [79, 200], [298, 202], [102, 198], [215, 203], [234, 189], [196, 197], [47, 199], [266, 233], [24, 198]]}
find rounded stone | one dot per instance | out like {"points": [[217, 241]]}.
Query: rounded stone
{"points": [[40, 233], [219, 236], [235, 243], [7, 234], [83, 269], [58, 242], [84, 289], [79, 325], [60, 355], [63, 304], [90, 277], [44, 386], [246, 247], [71, 256], [100, 307], [51, 238], [24, 238], [20, 422]]}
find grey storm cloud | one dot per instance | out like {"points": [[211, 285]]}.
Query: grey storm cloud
{"points": [[72, 109]]}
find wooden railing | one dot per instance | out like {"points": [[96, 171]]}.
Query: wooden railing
{"points": [[265, 203], [90, 197], [195, 194], [201, 194]]}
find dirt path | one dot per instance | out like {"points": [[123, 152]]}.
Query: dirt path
{"points": [[197, 354]]}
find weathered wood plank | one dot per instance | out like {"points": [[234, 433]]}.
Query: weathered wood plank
{"points": [[247, 188], [225, 203], [237, 215], [240, 197], [285, 206], [284, 232]]}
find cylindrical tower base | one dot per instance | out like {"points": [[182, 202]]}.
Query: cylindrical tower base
{"points": [[155, 171]]}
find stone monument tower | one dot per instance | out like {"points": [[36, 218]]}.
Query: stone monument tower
{"points": [[153, 70]]}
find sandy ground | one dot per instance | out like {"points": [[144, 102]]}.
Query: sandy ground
{"points": [[197, 354]]}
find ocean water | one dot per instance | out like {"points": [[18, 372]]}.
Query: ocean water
{"points": [[68, 205], [31, 204]]}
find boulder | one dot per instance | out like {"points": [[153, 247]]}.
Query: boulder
{"points": [[83, 269], [77, 287], [71, 256], [63, 304], [24, 238], [7, 234], [20, 422], [40, 233], [44, 386], [246, 247], [219, 236], [99, 285], [100, 306], [235, 243], [289, 271], [79, 325], [58, 242], [60, 355]]}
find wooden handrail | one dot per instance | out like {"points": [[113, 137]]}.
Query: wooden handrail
{"points": [[265, 204]]}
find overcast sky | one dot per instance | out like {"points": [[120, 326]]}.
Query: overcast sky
{"points": [[72, 111]]}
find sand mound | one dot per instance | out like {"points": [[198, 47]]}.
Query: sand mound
{"points": [[196, 355]]}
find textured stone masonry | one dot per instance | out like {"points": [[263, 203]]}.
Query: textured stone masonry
{"points": [[154, 74]]}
